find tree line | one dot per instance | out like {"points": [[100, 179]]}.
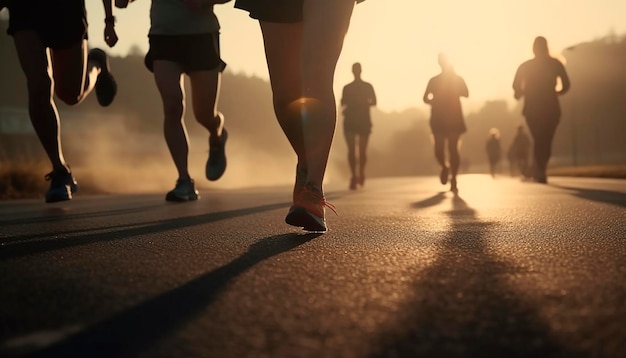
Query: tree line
{"points": [[591, 129]]}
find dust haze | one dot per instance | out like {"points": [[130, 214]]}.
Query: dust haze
{"points": [[107, 158]]}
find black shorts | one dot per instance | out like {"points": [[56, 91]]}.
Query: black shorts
{"points": [[59, 23], [357, 126], [196, 52], [283, 11]]}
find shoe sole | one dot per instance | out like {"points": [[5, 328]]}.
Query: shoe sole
{"points": [[178, 199], [106, 87], [213, 176], [301, 218], [57, 197]]}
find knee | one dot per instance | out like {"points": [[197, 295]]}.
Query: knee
{"points": [[173, 109], [285, 108]]}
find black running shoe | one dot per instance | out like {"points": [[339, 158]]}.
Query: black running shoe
{"points": [[185, 190], [62, 186], [216, 164], [106, 87]]}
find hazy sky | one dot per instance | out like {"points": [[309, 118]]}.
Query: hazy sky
{"points": [[397, 41]]}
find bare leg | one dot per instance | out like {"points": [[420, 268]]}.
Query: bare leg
{"points": [[325, 25], [74, 76], [308, 51], [363, 141], [351, 142], [34, 60], [169, 81], [283, 54], [205, 87], [455, 158], [439, 143]]}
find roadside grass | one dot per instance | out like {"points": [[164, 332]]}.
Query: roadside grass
{"points": [[25, 180]]}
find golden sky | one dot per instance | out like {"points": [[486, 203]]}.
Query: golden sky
{"points": [[397, 41]]}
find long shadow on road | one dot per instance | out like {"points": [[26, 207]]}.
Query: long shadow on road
{"points": [[462, 305], [130, 332], [603, 196], [17, 246]]}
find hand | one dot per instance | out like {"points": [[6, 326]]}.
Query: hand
{"points": [[110, 37]]}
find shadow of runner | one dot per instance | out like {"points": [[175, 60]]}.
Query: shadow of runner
{"points": [[129, 332], [56, 214], [603, 196], [17, 246], [428, 202], [463, 305]]}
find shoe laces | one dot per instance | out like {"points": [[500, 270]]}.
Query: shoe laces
{"points": [[55, 177], [306, 191]]}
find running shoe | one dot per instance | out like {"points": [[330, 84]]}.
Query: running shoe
{"points": [[443, 176], [185, 190], [308, 210], [106, 87], [216, 164], [62, 186]]}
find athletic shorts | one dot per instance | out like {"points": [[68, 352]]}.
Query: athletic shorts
{"points": [[359, 126], [60, 23], [195, 52], [282, 11]]}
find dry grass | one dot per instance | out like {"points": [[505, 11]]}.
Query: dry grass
{"points": [[21, 180], [25, 180]]}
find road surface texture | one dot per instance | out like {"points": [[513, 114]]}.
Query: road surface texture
{"points": [[504, 269]]}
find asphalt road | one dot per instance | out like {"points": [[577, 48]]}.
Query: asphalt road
{"points": [[504, 269]]}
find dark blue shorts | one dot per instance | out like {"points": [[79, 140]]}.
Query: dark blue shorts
{"points": [[196, 52], [59, 23]]}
